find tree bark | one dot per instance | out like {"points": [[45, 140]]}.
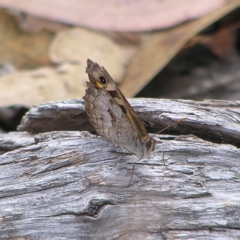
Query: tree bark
{"points": [[73, 185]]}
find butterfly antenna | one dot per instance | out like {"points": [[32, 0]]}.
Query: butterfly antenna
{"points": [[169, 126], [175, 123]]}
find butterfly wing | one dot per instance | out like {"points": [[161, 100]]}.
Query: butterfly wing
{"points": [[110, 122], [102, 79], [114, 118]]}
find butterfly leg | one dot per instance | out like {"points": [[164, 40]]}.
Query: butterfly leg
{"points": [[164, 161], [120, 160], [131, 175]]}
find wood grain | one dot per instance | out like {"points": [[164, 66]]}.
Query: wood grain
{"points": [[71, 184], [213, 120]]}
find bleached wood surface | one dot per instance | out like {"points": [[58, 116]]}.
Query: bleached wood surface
{"points": [[213, 120], [70, 185]]}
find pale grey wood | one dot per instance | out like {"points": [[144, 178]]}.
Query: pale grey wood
{"points": [[68, 185], [72, 185], [213, 120], [56, 116], [13, 140]]}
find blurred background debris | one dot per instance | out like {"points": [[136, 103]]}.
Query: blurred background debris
{"points": [[164, 49]]}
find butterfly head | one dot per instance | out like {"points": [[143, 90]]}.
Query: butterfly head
{"points": [[149, 147], [100, 82], [99, 76]]}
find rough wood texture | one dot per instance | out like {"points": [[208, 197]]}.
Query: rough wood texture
{"points": [[212, 120], [70, 185], [13, 140]]}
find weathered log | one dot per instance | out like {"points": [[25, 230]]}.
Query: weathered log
{"points": [[72, 185], [213, 120]]}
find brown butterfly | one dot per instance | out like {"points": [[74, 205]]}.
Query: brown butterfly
{"points": [[112, 116]]}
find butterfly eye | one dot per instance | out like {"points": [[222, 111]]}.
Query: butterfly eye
{"points": [[103, 80]]}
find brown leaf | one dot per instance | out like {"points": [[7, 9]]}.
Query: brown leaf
{"points": [[34, 24], [77, 45], [21, 49], [70, 50], [118, 15], [42, 85], [221, 42], [161, 48]]}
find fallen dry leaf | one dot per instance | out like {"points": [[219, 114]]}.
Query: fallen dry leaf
{"points": [[161, 47], [69, 49], [77, 45], [34, 24], [222, 42], [45, 84], [21, 49], [117, 15]]}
